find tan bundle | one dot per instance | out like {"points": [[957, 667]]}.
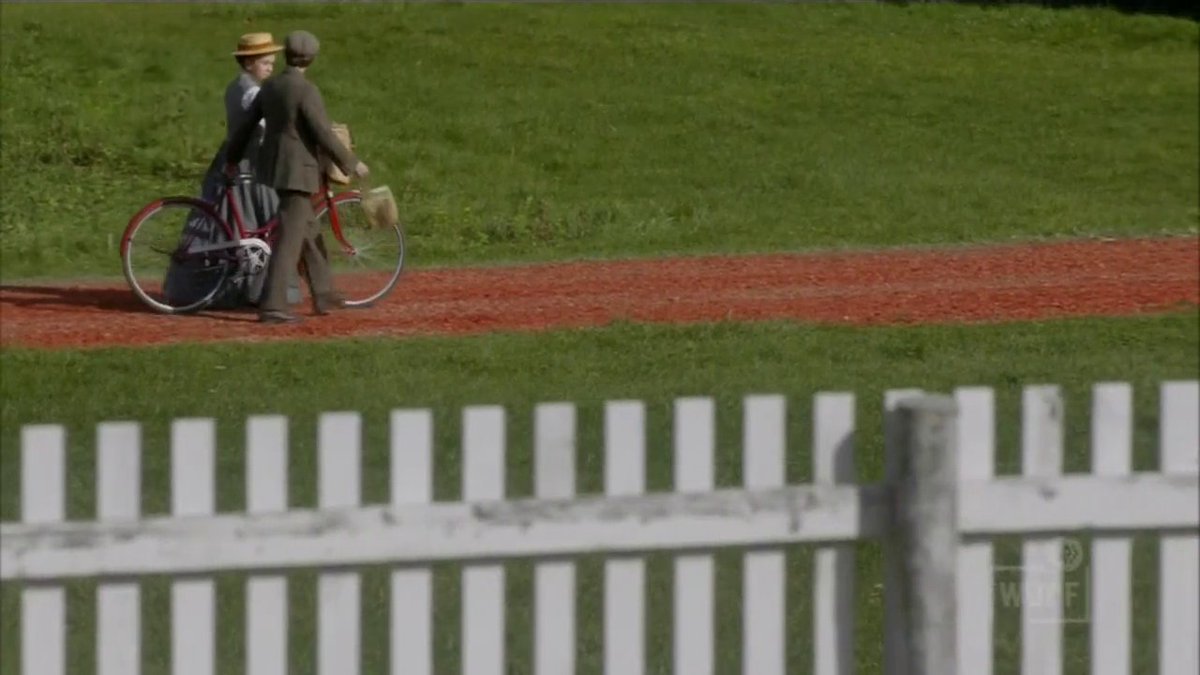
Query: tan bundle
{"points": [[335, 174], [380, 207]]}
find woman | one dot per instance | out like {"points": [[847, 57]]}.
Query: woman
{"points": [[255, 55]]}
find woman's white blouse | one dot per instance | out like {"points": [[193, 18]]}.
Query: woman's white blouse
{"points": [[239, 96]]}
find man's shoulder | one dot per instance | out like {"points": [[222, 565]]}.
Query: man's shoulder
{"points": [[281, 82], [269, 85]]}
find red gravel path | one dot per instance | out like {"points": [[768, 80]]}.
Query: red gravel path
{"points": [[1005, 283]]}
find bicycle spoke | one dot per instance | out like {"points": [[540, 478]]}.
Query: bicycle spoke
{"points": [[367, 261]]}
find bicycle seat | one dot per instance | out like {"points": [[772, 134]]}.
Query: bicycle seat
{"points": [[242, 177]]}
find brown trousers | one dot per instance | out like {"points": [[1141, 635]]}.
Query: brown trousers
{"points": [[299, 236]]}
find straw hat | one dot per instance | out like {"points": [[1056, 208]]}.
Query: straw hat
{"points": [[257, 44]]}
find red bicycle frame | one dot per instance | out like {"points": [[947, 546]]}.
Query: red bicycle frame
{"points": [[267, 231], [237, 230]]}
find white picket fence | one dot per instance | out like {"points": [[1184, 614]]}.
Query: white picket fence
{"points": [[935, 511]]}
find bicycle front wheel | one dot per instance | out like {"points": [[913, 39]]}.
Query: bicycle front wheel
{"points": [[365, 261], [176, 256]]}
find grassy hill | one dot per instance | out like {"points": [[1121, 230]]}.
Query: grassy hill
{"points": [[544, 131]]}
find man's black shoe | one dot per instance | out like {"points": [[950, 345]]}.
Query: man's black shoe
{"points": [[277, 317]]}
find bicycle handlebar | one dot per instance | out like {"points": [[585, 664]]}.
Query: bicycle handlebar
{"points": [[246, 177]]}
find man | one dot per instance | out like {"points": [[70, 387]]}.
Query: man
{"points": [[297, 142]]}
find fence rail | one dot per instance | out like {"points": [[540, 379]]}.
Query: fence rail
{"points": [[542, 528], [935, 511]]}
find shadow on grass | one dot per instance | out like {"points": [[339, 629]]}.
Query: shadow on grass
{"points": [[1180, 9]]}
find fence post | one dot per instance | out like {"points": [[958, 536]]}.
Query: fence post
{"points": [[925, 533]]}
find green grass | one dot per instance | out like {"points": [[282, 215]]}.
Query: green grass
{"points": [[654, 364], [535, 132]]}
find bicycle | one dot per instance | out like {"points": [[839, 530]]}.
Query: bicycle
{"points": [[237, 255]]}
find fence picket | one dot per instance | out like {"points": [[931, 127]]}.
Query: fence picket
{"points": [[1112, 454], [1179, 554], [833, 573], [118, 498], [624, 576], [43, 500], [266, 594], [764, 433], [412, 588], [895, 625], [483, 583], [193, 601], [977, 461], [339, 442], [554, 582], [694, 435], [1041, 556]]}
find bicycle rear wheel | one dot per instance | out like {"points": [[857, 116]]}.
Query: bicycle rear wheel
{"points": [[365, 261], [168, 255]]}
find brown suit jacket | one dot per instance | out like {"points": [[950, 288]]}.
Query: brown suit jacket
{"points": [[298, 140]]}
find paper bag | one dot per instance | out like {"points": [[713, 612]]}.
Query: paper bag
{"points": [[380, 207]]}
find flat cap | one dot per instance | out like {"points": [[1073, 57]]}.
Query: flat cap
{"points": [[302, 43]]}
